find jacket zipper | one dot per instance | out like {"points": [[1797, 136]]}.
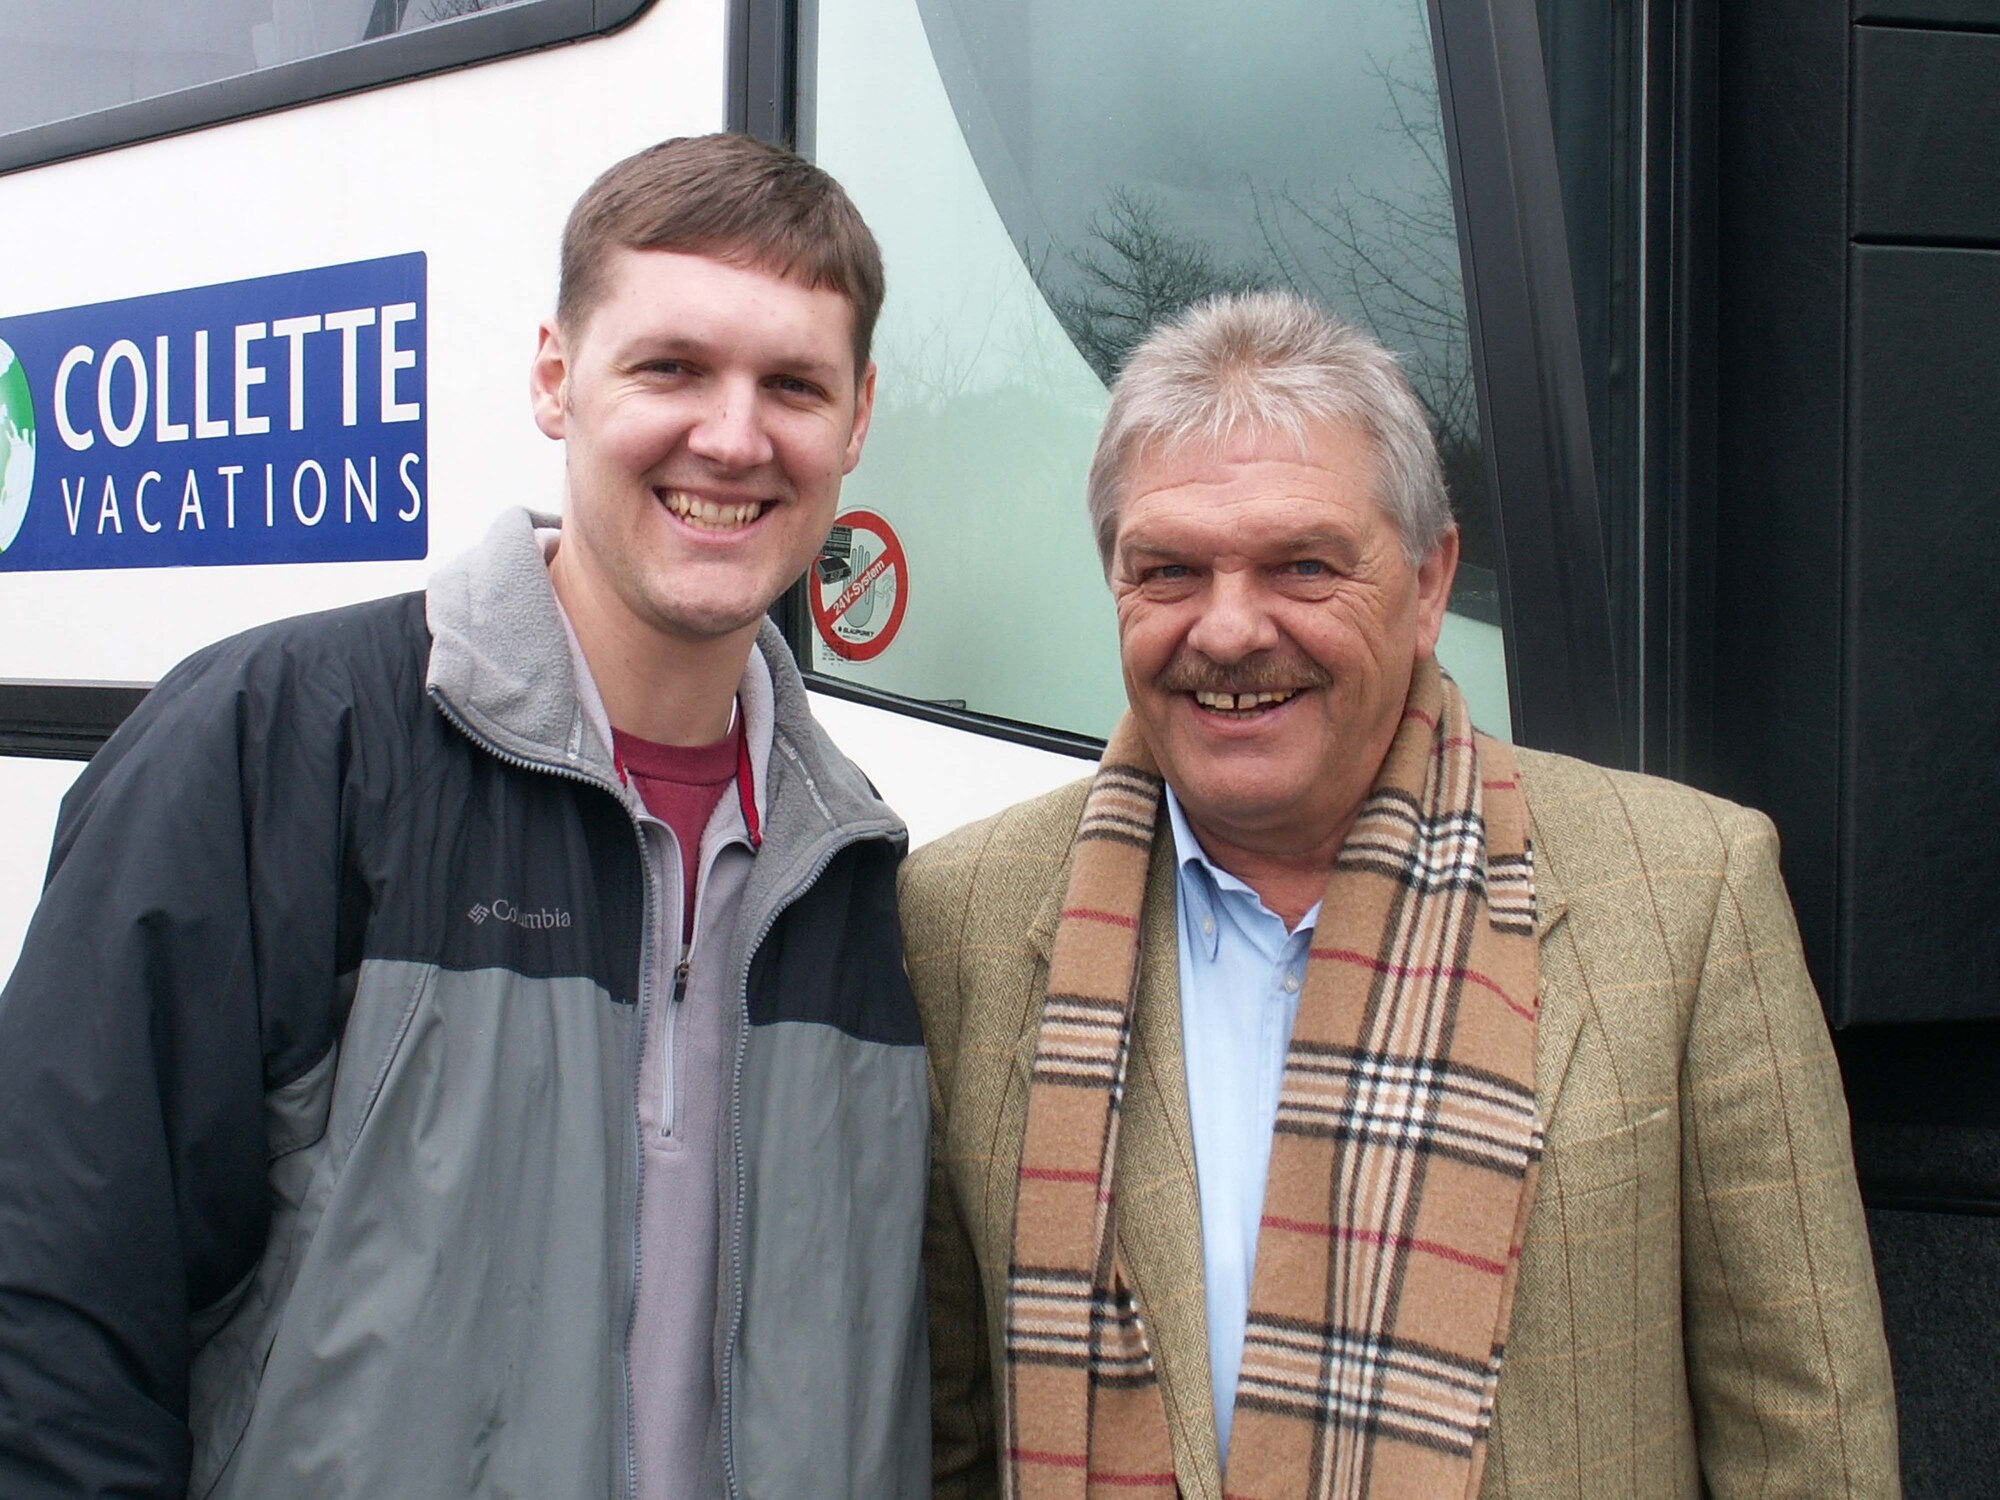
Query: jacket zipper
{"points": [[669, 1092], [646, 943], [725, 1395]]}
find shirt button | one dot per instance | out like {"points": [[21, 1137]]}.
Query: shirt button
{"points": [[1291, 984], [1208, 927]]}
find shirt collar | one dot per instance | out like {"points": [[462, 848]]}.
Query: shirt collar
{"points": [[1204, 885], [1195, 879]]}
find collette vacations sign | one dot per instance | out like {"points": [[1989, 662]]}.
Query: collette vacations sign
{"points": [[267, 421]]}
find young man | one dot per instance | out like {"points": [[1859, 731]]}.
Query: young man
{"points": [[1334, 1101], [463, 1047]]}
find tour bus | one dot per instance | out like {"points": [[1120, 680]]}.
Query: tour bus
{"points": [[1701, 304]]}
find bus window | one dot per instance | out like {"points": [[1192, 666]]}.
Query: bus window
{"points": [[60, 58], [78, 76], [1049, 181]]}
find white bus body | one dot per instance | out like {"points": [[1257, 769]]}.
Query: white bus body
{"points": [[476, 169]]}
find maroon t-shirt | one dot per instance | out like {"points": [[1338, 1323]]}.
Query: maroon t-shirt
{"points": [[680, 785]]}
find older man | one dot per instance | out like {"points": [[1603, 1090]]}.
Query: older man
{"points": [[1332, 1100]]}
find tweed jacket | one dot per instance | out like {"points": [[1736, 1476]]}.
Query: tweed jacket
{"points": [[1696, 1311]]}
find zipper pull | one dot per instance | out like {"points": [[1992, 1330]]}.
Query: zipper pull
{"points": [[669, 1058]]}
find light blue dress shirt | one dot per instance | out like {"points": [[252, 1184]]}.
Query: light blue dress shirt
{"points": [[1240, 979]]}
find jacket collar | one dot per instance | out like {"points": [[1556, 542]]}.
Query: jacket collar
{"points": [[1556, 1027], [503, 664]]}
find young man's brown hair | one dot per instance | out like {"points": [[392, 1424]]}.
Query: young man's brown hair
{"points": [[732, 198]]}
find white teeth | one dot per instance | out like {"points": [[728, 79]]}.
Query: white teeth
{"points": [[1241, 702], [710, 515]]}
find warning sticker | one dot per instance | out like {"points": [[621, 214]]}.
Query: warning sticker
{"points": [[859, 587]]}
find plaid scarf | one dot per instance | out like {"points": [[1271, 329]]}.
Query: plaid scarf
{"points": [[1402, 1166]]}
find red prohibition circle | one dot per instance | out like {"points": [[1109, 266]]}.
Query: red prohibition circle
{"points": [[831, 603]]}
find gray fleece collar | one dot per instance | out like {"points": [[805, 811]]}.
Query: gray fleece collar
{"points": [[501, 662]]}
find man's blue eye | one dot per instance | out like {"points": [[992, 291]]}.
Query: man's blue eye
{"points": [[1307, 567]]}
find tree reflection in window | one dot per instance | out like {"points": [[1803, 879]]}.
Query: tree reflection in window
{"points": [[1147, 153]]}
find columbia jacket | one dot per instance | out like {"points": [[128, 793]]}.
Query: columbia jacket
{"points": [[318, 1150]]}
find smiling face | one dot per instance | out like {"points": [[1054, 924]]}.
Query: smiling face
{"points": [[1268, 623], [709, 411]]}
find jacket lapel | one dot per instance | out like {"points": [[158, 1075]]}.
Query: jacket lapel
{"points": [[1558, 1025]]}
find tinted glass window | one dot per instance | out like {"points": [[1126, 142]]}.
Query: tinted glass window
{"points": [[1594, 50], [63, 58], [1048, 181]]}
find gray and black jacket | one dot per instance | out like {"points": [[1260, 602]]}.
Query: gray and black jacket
{"points": [[317, 1118]]}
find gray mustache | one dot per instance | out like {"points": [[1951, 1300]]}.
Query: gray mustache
{"points": [[1190, 673]]}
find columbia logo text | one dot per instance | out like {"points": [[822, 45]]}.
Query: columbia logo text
{"points": [[503, 910]]}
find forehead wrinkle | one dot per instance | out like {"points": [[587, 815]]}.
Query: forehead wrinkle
{"points": [[1310, 540], [1191, 533]]}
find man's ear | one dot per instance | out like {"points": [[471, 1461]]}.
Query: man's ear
{"points": [[1434, 576], [548, 380], [864, 411]]}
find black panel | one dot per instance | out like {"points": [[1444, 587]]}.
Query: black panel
{"points": [[1781, 156], [1928, 1076], [1926, 135], [1936, 1166], [1921, 802], [1940, 1276], [1930, 12], [494, 867], [834, 958]]}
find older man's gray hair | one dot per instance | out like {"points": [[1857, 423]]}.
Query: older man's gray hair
{"points": [[1273, 363]]}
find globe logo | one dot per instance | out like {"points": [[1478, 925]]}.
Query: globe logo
{"points": [[17, 446]]}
